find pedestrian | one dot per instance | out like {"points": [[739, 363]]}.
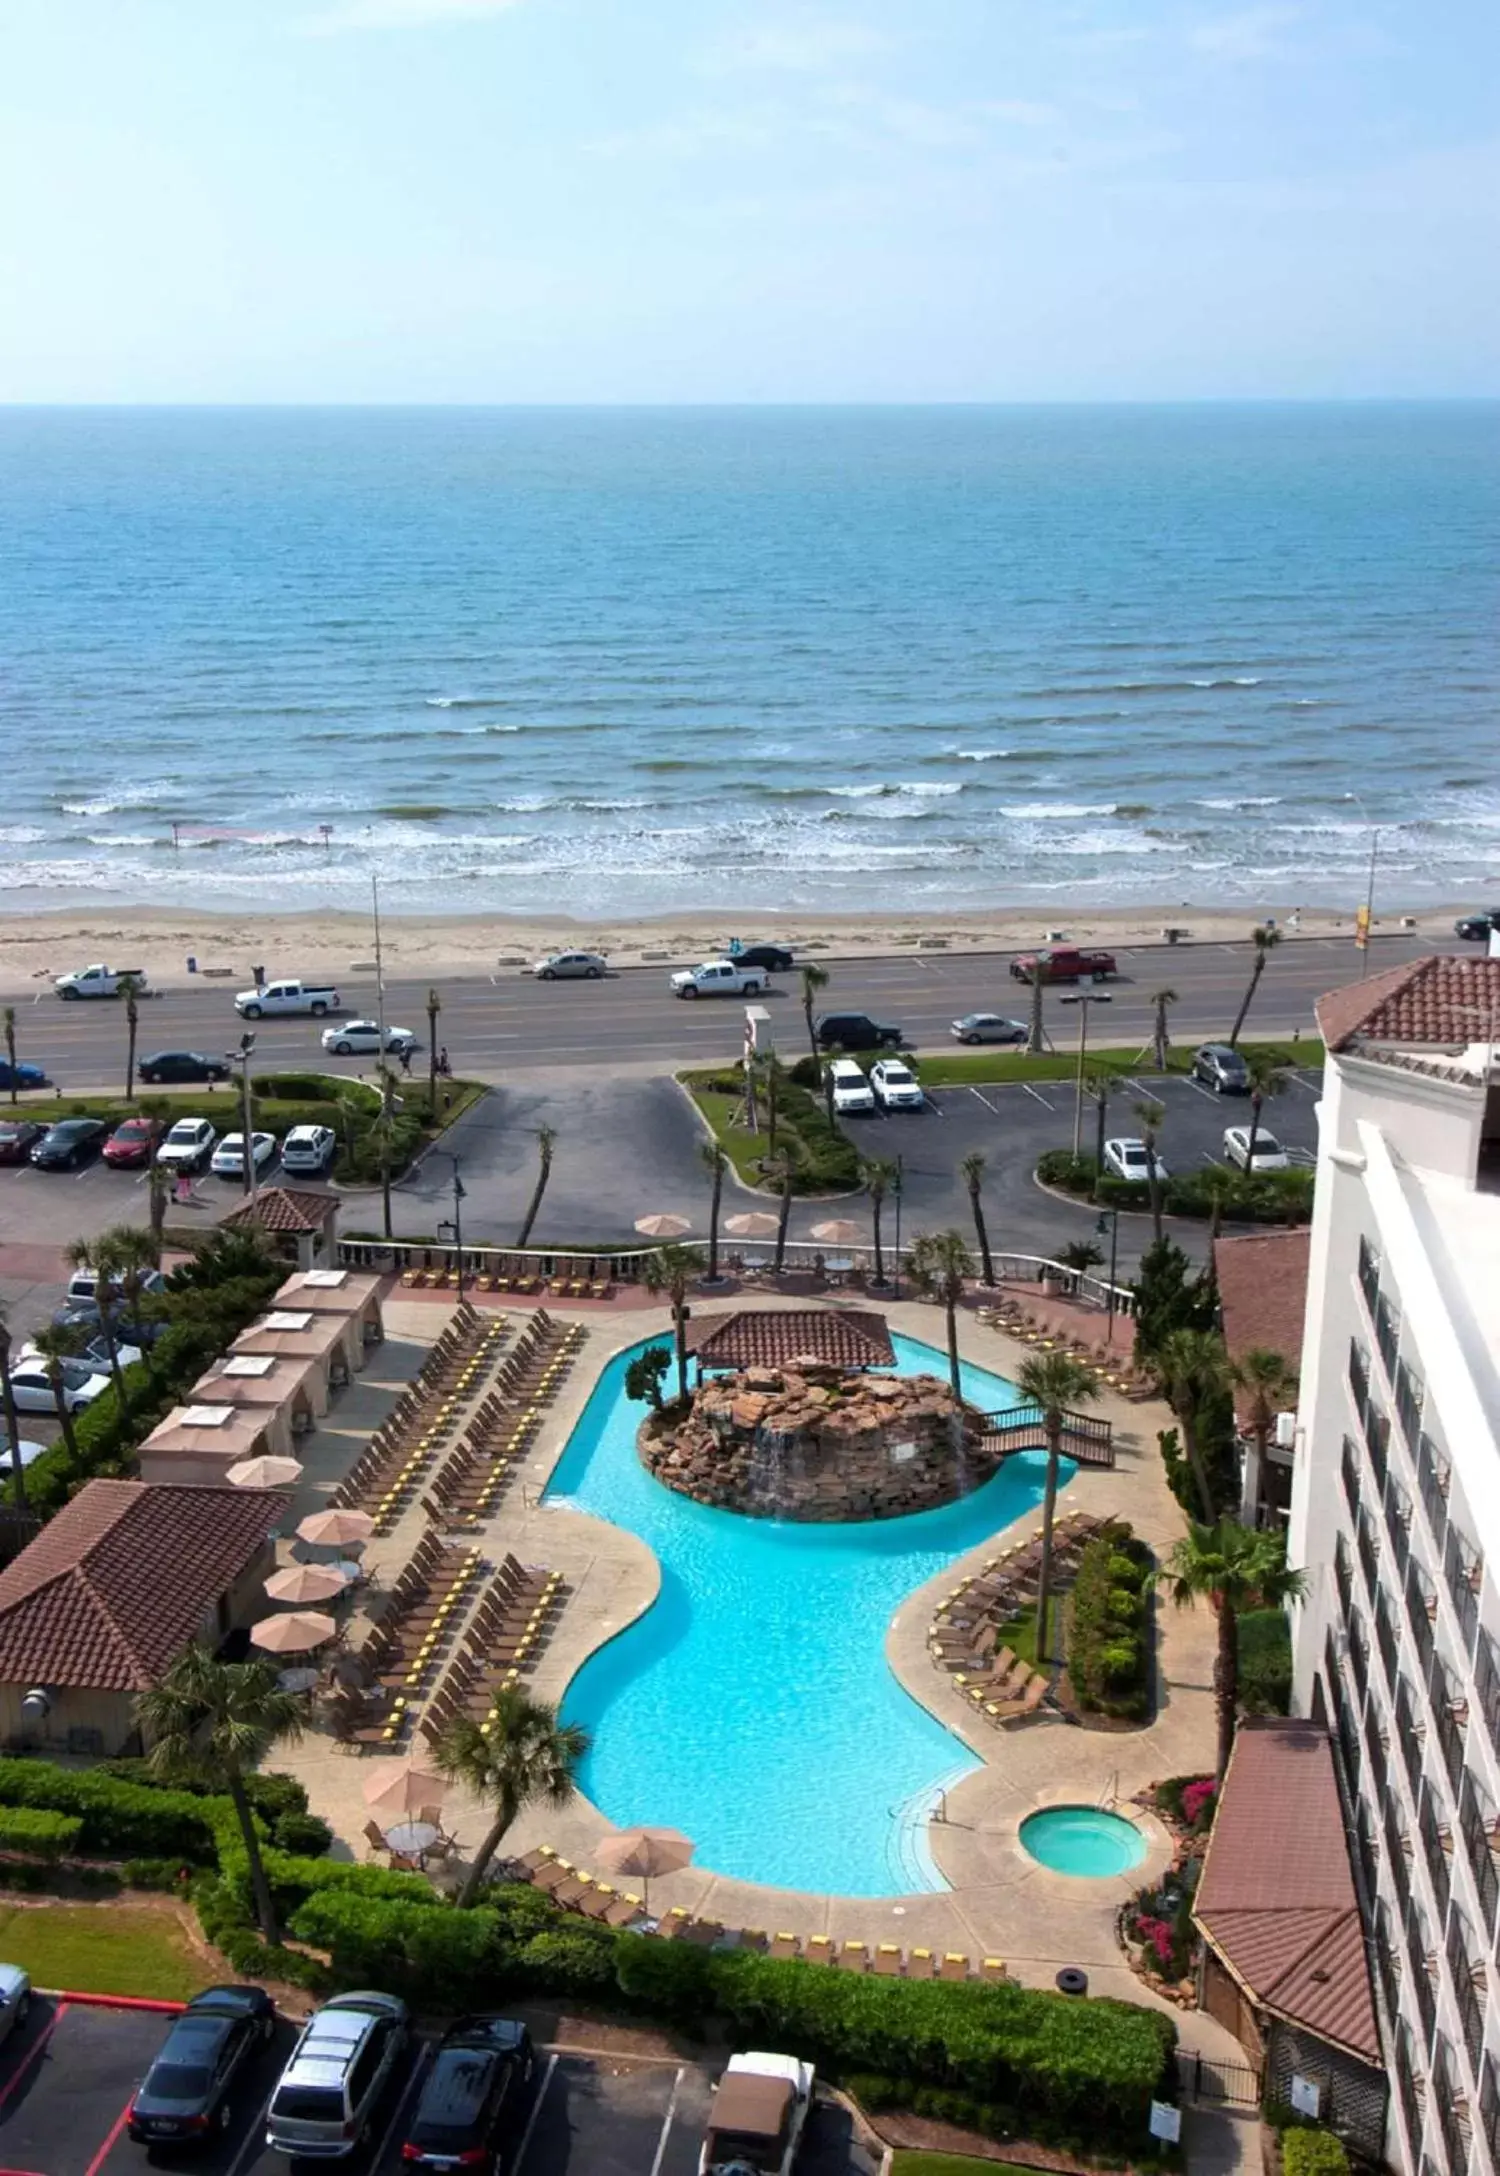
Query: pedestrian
{"points": [[182, 1188], [404, 1054], [443, 1066]]}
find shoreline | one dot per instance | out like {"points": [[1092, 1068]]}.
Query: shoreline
{"points": [[334, 942]]}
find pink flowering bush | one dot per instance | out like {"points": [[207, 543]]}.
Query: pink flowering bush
{"points": [[1198, 1802]]}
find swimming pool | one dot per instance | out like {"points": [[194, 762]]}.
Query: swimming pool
{"points": [[752, 1706], [1087, 1841]]}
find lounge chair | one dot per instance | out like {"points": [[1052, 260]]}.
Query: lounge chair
{"points": [[888, 1960], [855, 1957], [552, 1877], [920, 1965], [821, 1949], [993, 1968], [1021, 1709], [955, 1966], [675, 1923], [786, 1945]]}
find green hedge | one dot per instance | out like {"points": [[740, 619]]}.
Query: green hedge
{"points": [[1109, 1626], [119, 1820], [271, 1795], [1265, 1643], [1270, 1197], [1313, 2153], [39, 1831], [829, 1159]]}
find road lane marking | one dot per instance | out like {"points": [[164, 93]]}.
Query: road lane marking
{"points": [[109, 2144], [1046, 1106], [668, 2120], [986, 1101], [536, 2109], [33, 2052]]}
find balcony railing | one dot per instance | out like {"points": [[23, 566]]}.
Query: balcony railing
{"points": [[1385, 1636], [1435, 1844], [1409, 1736], [1398, 1525], [1369, 1272], [1450, 1717], [1378, 1440], [1489, 2107], [1359, 1655], [1448, 2099], [1432, 1483], [1397, 1846], [1349, 1473], [1409, 1396], [1421, 1608], [1359, 1376], [1487, 1688], [1406, 2090], [1342, 1577], [1477, 1827], [1463, 1574], [1366, 1540], [1421, 1974], [1375, 1746], [1387, 1960], [1387, 1331], [1348, 1734]]}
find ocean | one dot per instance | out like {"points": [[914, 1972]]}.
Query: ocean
{"points": [[636, 661]]}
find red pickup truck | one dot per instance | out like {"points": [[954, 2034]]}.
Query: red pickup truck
{"points": [[1065, 965]]}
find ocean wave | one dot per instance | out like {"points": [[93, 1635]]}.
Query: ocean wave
{"points": [[1057, 811], [1244, 800], [981, 755]]}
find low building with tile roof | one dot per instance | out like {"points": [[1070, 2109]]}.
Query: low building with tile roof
{"points": [[299, 1222], [117, 1584], [1262, 1281], [771, 1337]]}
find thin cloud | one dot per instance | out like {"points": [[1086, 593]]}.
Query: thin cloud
{"points": [[1020, 112], [1250, 34], [802, 49], [400, 14]]}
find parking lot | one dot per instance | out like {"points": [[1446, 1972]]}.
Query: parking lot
{"points": [[67, 2075]]}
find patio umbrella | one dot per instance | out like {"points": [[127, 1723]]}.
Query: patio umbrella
{"points": [[400, 1787], [305, 1583], [337, 1526], [644, 1852], [663, 1226], [297, 1633], [839, 1231], [753, 1224], [264, 1473]]}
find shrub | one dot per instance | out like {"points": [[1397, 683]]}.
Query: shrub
{"points": [[1109, 1649], [1268, 1197], [1265, 1662], [1073, 1174], [117, 1819], [1313, 2153], [38, 1831], [1188, 1799], [271, 1795], [669, 1979], [302, 1835]]}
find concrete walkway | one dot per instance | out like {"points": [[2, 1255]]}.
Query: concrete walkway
{"points": [[1001, 1903]]}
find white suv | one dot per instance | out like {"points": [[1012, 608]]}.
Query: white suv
{"points": [[896, 1086], [849, 1088], [188, 1146], [309, 1149], [325, 2100]]}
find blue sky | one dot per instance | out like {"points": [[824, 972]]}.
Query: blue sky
{"points": [[709, 200]]}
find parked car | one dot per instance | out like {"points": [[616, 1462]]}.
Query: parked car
{"points": [[309, 1150], [325, 2100], [718, 978], [273, 1000], [989, 1027], [95, 1354], [1221, 1068], [83, 1284], [228, 1160], [896, 1086], [99, 981], [474, 2098], [1065, 963], [775, 958], [15, 1985], [1474, 928], [182, 1065], [132, 1143], [847, 1084], [85, 1322], [353, 1037], [187, 2094], [1127, 1158], [18, 1137], [31, 1385], [22, 1076], [71, 1142], [1269, 1153], [855, 1031], [188, 1146], [758, 2114], [571, 967]]}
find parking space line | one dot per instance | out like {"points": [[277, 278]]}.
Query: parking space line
{"points": [[109, 2144], [33, 2052], [668, 2120], [1046, 1106], [994, 1107], [398, 2111], [536, 2109]]}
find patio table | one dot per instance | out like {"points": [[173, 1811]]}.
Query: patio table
{"points": [[413, 1838], [301, 1679]]}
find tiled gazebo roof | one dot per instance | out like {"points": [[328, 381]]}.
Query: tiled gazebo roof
{"points": [[774, 1337]]}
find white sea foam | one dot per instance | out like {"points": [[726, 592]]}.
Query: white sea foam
{"points": [[1056, 811], [1244, 800]]}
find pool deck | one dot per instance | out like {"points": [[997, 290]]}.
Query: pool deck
{"points": [[1000, 1903]]}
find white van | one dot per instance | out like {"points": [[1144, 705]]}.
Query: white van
{"points": [[850, 1089]]}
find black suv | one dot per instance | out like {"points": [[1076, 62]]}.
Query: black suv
{"points": [[775, 958], [856, 1031], [1476, 927], [185, 2097], [182, 1065], [474, 2101]]}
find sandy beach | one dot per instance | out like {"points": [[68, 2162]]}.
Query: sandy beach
{"points": [[325, 942]]}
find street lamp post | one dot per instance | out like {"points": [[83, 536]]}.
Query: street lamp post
{"points": [[1114, 1253], [896, 1269], [455, 1224], [241, 1058], [1082, 999]]}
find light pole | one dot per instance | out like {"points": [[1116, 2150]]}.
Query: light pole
{"points": [[455, 1224], [1114, 1253], [1364, 921], [896, 1269], [1082, 999], [241, 1058]]}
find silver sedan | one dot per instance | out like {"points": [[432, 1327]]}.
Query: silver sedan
{"points": [[989, 1027], [571, 966]]}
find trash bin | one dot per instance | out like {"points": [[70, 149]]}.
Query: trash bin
{"points": [[192, 964], [258, 975]]}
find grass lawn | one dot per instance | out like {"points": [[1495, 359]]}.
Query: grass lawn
{"points": [[907, 2161], [102, 1949], [743, 1148], [1019, 1632], [962, 1067]]}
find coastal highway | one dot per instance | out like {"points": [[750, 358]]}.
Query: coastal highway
{"points": [[497, 1028]]}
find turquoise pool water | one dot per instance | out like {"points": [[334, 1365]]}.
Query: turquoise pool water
{"points": [[1083, 1840], [752, 1706]]}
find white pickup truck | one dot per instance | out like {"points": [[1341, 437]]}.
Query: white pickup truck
{"points": [[759, 2112], [719, 978], [274, 999], [99, 981]]}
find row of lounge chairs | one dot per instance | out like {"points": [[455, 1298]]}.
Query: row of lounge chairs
{"points": [[427, 1606], [963, 1638], [584, 1280], [504, 1643], [1011, 1316], [575, 1890], [501, 1431], [387, 1473]]}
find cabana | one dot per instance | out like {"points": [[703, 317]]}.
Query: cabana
{"points": [[201, 1442], [337, 1292], [276, 1392]]}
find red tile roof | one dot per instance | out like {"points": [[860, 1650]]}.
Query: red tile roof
{"points": [[286, 1209], [121, 1579], [854, 1337], [1276, 1900], [1441, 1003], [1263, 1292]]}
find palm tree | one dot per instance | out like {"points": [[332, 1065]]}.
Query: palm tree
{"points": [[973, 1169], [1193, 1365], [1267, 1078], [131, 1253], [1270, 1386], [1161, 1000], [813, 980], [220, 1719], [1151, 1114], [55, 1346], [97, 1255], [715, 1162], [129, 987], [1101, 1087], [546, 1141], [9, 1019], [385, 1080], [1231, 1567], [782, 1170], [11, 1416], [434, 1007], [1265, 941], [1080, 1255], [879, 1175], [937, 1265], [671, 1269], [1036, 1039], [1058, 1384], [1219, 1186], [523, 1753]]}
